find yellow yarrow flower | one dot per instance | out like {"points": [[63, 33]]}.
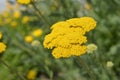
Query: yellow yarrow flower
{"points": [[14, 24], [0, 35], [25, 19], [16, 14], [37, 33], [87, 6], [23, 1], [6, 14], [31, 75], [67, 37], [29, 39], [8, 20], [2, 47], [1, 21]]}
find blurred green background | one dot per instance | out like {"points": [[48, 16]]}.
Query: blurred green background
{"points": [[24, 57]]}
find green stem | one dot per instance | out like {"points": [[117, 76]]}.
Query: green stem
{"points": [[24, 48], [12, 70], [40, 13], [100, 64], [85, 66]]}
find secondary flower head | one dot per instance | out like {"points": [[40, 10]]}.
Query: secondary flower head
{"points": [[67, 37], [31, 75], [25, 19], [13, 23], [37, 33], [23, 1], [6, 14], [110, 64], [0, 35], [1, 21], [91, 48], [29, 39], [8, 20], [2, 47], [16, 14], [35, 43], [87, 6]]}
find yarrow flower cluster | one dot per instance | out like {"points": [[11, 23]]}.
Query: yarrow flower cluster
{"points": [[67, 37], [2, 45], [23, 1], [31, 75]]}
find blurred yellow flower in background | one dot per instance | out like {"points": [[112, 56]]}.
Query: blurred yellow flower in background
{"points": [[53, 7], [17, 6], [37, 32], [67, 37], [0, 35], [8, 20], [2, 47], [31, 75], [30, 6], [16, 14], [13, 23], [29, 39], [9, 6], [5, 14], [23, 1], [0, 21], [25, 19], [87, 6]]}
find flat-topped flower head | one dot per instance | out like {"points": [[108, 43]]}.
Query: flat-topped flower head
{"points": [[16, 14], [23, 1], [2, 47], [67, 37], [31, 75], [25, 19], [37, 32], [28, 39]]}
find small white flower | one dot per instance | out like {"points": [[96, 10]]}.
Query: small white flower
{"points": [[110, 64], [35, 43], [91, 48]]}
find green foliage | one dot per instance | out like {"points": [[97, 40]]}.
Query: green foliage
{"points": [[23, 57]]}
